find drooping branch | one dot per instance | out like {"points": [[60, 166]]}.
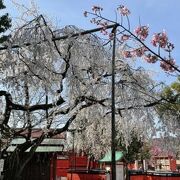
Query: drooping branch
{"points": [[90, 101]]}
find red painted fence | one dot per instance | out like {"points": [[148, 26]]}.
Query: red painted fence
{"points": [[60, 167], [76, 168], [80, 175], [155, 176], [152, 177]]}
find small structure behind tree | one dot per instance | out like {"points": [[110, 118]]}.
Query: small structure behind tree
{"points": [[106, 163]]}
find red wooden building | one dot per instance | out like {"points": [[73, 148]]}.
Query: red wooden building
{"points": [[39, 167], [51, 161]]}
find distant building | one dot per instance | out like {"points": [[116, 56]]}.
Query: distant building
{"points": [[165, 156]]}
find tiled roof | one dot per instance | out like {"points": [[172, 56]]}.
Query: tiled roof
{"points": [[38, 132]]}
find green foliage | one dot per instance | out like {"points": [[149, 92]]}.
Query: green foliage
{"points": [[5, 24], [171, 104], [145, 151], [135, 150]]}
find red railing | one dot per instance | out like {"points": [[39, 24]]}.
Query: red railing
{"points": [[85, 176], [151, 177], [155, 176]]}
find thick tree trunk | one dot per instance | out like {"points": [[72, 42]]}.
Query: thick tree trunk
{"points": [[17, 161], [12, 167], [15, 165]]}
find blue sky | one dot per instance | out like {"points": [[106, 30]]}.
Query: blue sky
{"points": [[159, 14]]}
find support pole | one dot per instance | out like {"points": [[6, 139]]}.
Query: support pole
{"points": [[113, 131]]}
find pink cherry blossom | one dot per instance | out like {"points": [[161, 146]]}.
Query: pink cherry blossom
{"points": [[128, 54], [96, 9], [167, 65], [103, 25], [160, 39], [139, 51], [124, 11], [150, 58], [124, 37], [142, 32]]}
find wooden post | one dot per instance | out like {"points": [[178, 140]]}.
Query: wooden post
{"points": [[113, 131]]}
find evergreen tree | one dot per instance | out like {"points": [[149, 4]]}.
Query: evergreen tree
{"points": [[5, 23], [131, 151], [169, 110]]}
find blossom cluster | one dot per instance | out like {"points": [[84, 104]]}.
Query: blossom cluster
{"points": [[139, 52], [101, 24], [96, 9], [142, 32], [124, 11], [150, 58], [160, 39], [167, 65], [125, 37]]}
